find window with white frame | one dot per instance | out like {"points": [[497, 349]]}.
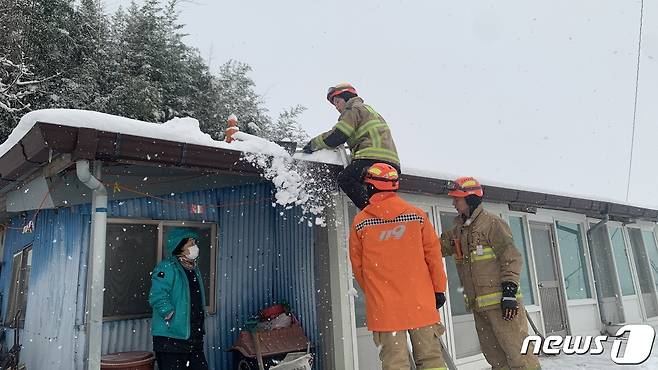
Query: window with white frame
{"points": [[645, 264], [620, 253], [134, 247], [516, 224], [602, 262], [574, 266], [20, 278], [457, 302], [652, 252]]}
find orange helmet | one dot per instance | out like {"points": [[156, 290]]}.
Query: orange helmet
{"points": [[383, 177], [339, 89], [463, 187]]}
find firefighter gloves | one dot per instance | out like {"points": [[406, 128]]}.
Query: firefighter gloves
{"points": [[440, 299], [508, 304], [307, 148]]}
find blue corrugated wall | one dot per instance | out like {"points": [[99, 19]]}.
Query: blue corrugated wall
{"points": [[264, 255]]}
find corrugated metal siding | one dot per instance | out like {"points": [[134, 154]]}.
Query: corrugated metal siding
{"points": [[295, 259], [48, 337], [127, 335], [263, 257], [246, 272]]}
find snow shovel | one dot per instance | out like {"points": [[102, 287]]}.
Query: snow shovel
{"points": [[534, 327], [446, 357], [343, 155]]}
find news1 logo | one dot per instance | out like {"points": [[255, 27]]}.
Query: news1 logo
{"points": [[638, 345]]}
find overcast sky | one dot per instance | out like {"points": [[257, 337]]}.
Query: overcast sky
{"points": [[535, 94]]}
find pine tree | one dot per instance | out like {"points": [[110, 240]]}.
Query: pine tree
{"points": [[287, 128], [33, 49], [235, 95], [87, 84], [54, 53]]}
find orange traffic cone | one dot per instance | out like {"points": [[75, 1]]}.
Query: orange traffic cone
{"points": [[231, 128]]}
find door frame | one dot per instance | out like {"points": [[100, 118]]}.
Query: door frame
{"points": [[641, 226], [562, 293], [631, 261], [610, 249]]}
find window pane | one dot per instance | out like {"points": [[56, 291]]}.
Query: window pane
{"points": [[543, 247], [206, 255], [15, 288], [457, 304], [130, 257], [652, 252], [572, 254], [621, 258], [643, 272], [18, 291], [518, 233], [602, 263], [26, 268]]}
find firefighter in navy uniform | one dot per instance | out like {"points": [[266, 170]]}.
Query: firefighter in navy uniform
{"points": [[489, 266]]}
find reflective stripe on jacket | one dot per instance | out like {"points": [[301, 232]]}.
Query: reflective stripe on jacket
{"points": [[485, 256], [368, 135]]}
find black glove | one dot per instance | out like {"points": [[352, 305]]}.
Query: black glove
{"points": [[440, 299], [308, 149], [508, 304]]}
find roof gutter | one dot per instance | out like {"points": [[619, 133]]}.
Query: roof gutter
{"points": [[97, 263]]}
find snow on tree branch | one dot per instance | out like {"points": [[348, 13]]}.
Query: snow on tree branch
{"points": [[16, 83]]}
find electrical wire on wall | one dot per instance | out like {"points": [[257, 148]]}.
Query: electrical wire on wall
{"points": [[637, 83]]}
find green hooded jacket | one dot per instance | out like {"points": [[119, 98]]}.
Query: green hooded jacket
{"points": [[170, 291]]}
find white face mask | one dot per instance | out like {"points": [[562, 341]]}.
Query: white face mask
{"points": [[193, 253]]}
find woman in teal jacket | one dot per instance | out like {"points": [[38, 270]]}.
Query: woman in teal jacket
{"points": [[177, 299]]}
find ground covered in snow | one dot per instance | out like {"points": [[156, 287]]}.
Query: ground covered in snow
{"points": [[594, 362]]}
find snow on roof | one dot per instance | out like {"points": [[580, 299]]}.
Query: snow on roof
{"points": [[184, 130], [322, 156], [500, 184]]}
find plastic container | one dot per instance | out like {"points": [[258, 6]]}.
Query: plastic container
{"points": [[272, 312], [128, 361], [295, 361]]}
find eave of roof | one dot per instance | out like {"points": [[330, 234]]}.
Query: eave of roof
{"points": [[45, 140]]}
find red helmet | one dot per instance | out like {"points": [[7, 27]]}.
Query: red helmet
{"points": [[339, 89], [383, 177], [463, 187]]}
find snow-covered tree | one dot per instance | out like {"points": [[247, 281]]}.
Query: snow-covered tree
{"points": [[287, 128], [86, 85], [70, 54], [234, 94]]}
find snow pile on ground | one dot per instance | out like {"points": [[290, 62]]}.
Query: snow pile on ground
{"points": [[295, 181]]}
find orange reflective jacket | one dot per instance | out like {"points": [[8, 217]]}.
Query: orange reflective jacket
{"points": [[396, 259]]}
